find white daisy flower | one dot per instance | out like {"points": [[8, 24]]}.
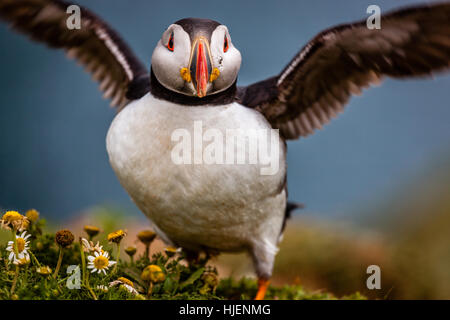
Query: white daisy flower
{"points": [[124, 283], [100, 262], [22, 248], [44, 270], [22, 261], [102, 288], [88, 246]]}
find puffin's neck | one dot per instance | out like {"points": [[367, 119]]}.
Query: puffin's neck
{"points": [[159, 91]]}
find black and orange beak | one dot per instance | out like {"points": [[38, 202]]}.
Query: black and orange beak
{"points": [[200, 66]]}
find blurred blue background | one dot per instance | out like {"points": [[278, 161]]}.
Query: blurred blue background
{"points": [[53, 121]]}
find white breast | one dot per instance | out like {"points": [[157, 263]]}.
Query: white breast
{"points": [[219, 206]]}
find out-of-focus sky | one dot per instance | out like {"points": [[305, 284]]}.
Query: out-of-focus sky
{"points": [[53, 121]]}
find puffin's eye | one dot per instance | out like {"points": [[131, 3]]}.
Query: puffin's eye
{"points": [[225, 44], [170, 43]]}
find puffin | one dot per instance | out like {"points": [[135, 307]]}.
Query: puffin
{"points": [[227, 207]]}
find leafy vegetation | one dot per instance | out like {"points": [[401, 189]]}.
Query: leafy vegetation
{"points": [[36, 265]]}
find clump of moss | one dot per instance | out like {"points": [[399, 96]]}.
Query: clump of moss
{"points": [[159, 276]]}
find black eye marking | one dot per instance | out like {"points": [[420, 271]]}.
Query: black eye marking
{"points": [[225, 44], [170, 43]]}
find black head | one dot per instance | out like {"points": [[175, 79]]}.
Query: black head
{"points": [[198, 26]]}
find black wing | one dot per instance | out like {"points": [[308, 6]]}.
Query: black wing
{"points": [[342, 60], [96, 46]]}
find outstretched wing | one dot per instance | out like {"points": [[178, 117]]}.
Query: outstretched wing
{"points": [[101, 51], [340, 61]]}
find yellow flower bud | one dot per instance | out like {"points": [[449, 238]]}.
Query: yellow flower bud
{"points": [[32, 215], [44, 271], [131, 251], [116, 236], [92, 231], [146, 236], [153, 273]]}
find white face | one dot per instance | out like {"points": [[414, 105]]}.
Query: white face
{"points": [[197, 67]]}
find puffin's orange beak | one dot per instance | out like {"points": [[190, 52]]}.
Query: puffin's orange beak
{"points": [[201, 74], [200, 66]]}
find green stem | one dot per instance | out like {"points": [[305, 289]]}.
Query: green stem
{"points": [[118, 252], [92, 292], [147, 251], [16, 256], [117, 258], [83, 264], [58, 265], [150, 289], [34, 258], [16, 275], [16, 249], [89, 287]]}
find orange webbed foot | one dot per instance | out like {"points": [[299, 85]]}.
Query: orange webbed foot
{"points": [[263, 284]]}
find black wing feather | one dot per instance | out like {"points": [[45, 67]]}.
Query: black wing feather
{"points": [[339, 62], [102, 52]]}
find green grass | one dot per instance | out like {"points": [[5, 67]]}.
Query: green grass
{"points": [[180, 280]]}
